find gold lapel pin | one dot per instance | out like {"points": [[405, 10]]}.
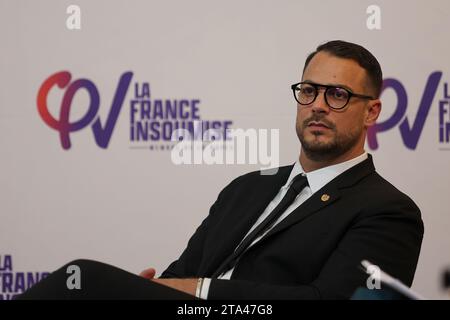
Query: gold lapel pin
{"points": [[325, 197]]}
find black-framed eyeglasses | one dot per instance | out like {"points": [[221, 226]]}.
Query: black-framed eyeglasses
{"points": [[336, 97]]}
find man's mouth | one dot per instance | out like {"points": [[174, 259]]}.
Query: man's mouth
{"points": [[317, 125]]}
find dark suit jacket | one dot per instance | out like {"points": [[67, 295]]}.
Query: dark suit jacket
{"points": [[315, 252]]}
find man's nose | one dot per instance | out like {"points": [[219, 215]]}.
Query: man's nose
{"points": [[320, 105]]}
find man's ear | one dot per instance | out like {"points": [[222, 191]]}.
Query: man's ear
{"points": [[372, 112]]}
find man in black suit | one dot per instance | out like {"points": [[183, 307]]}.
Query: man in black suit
{"points": [[302, 232], [346, 213]]}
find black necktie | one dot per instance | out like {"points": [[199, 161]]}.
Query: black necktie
{"points": [[297, 185]]}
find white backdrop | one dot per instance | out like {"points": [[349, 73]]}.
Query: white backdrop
{"points": [[131, 206]]}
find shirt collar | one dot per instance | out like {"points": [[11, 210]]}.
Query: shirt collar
{"points": [[320, 177]]}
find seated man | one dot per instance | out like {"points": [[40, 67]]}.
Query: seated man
{"points": [[302, 232]]}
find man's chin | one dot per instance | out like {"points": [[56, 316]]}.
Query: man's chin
{"points": [[318, 141], [319, 148]]}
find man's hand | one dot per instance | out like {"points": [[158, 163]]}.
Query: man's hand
{"points": [[186, 285]]}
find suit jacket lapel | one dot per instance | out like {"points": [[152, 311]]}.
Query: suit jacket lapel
{"points": [[324, 197], [237, 226], [319, 200]]}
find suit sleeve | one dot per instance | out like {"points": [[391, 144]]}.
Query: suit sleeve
{"points": [[390, 238]]}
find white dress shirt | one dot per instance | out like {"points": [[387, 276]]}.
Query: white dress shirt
{"points": [[316, 180]]}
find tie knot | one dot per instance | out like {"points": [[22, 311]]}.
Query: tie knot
{"points": [[300, 181]]}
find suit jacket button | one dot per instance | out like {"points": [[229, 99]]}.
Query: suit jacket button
{"points": [[325, 197]]}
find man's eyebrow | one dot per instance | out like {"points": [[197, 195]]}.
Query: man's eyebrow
{"points": [[331, 85]]}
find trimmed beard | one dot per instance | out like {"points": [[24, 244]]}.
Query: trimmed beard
{"points": [[320, 151]]}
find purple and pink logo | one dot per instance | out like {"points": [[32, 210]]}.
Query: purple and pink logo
{"points": [[152, 119], [102, 133]]}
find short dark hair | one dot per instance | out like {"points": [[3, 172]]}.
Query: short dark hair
{"points": [[361, 55]]}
